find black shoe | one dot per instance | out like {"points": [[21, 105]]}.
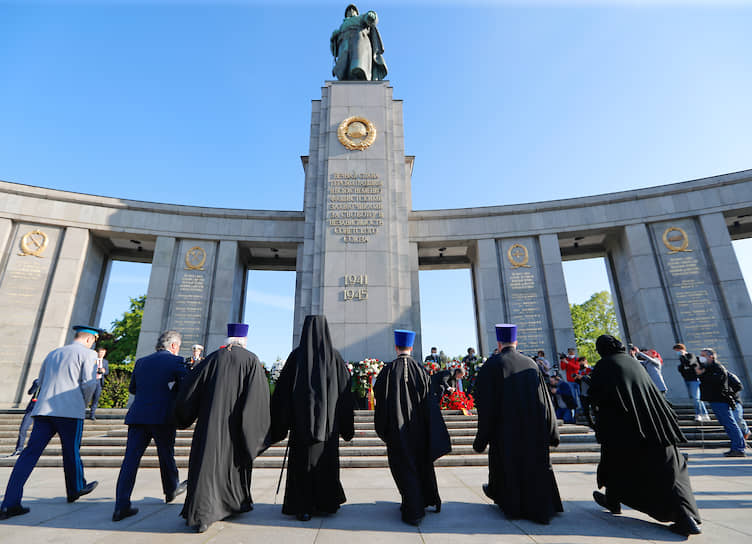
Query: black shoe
{"points": [[304, 517], [17, 452], [202, 528], [486, 491], [19, 510], [179, 490], [686, 527], [92, 417], [88, 488], [734, 453], [600, 498], [245, 506], [117, 515], [438, 507]]}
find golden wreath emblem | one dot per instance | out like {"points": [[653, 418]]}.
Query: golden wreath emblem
{"points": [[676, 240], [356, 133], [518, 256], [195, 258], [33, 243]]}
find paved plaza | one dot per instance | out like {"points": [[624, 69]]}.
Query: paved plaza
{"points": [[723, 488]]}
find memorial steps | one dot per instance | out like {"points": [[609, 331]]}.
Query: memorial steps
{"points": [[103, 442]]}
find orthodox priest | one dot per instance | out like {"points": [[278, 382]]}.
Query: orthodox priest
{"points": [[641, 465], [412, 427], [227, 394], [516, 419], [312, 400]]}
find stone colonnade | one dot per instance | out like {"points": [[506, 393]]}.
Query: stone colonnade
{"points": [[673, 270]]}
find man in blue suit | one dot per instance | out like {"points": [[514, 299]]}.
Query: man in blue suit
{"points": [[154, 383], [66, 383]]}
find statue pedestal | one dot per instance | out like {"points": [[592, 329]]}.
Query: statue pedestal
{"points": [[357, 266]]}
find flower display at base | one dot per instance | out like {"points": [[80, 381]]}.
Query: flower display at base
{"points": [[363, 375], [457, 400]]}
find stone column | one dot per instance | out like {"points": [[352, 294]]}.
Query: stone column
{"points": [[558, 301], [734, 296], [487, 294], [155, 309], [55, 324], [6, 229], [637, 277], [356, 252], [415, 302], [226, 302], [28, 263]]}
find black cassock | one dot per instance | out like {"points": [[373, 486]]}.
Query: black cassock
{"points": [[227, 394], [516, 419], [312, 399], [411, 424], [640, 464]]}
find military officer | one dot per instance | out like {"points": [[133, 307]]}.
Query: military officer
{"points": [[67, 381]]}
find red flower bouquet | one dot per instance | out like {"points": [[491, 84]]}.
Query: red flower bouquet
{"points": [[457, 400]]}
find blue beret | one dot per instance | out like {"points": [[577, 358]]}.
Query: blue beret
{"points": [[404, 338], [86, 328], [506, 333], [237, 330]]}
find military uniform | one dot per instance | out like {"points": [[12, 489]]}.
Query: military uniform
{"points": [[67, 381]]}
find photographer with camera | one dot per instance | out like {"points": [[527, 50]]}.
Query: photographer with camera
{"points": [[688, 364]]}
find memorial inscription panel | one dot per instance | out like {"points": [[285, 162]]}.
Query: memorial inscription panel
{"points": [[189, 306], [22, 290], [524, 293], [355, 207], [690, 287]]}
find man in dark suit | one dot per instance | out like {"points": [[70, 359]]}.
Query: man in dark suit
{"points": [[103, 368], [445, 382], [154, 383]]}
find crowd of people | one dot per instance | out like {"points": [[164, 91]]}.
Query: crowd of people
{"points": [[519, 400]]}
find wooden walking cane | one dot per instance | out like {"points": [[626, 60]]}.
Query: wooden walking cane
{"points": [[284, 462]]}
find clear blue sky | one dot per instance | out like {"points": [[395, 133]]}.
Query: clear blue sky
{"points": [[209, 103]]}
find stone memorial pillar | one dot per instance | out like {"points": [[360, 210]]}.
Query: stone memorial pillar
{"points": [[356, 263], [487, 295], [40, 288], [675, 281], [524, 286], [732, 289], [521, 281], [556, 293], [701, 274], [228, 296], [28, 265], [157, 295], [195, 288]]}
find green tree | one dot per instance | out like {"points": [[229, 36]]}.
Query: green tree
{"points": [[122, 341], [121, 346], [592, 318]]}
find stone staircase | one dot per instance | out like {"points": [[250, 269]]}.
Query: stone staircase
{"points": [[103, 442]]}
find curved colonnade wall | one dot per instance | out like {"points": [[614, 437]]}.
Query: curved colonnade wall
{"points": [[673, 270]]}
